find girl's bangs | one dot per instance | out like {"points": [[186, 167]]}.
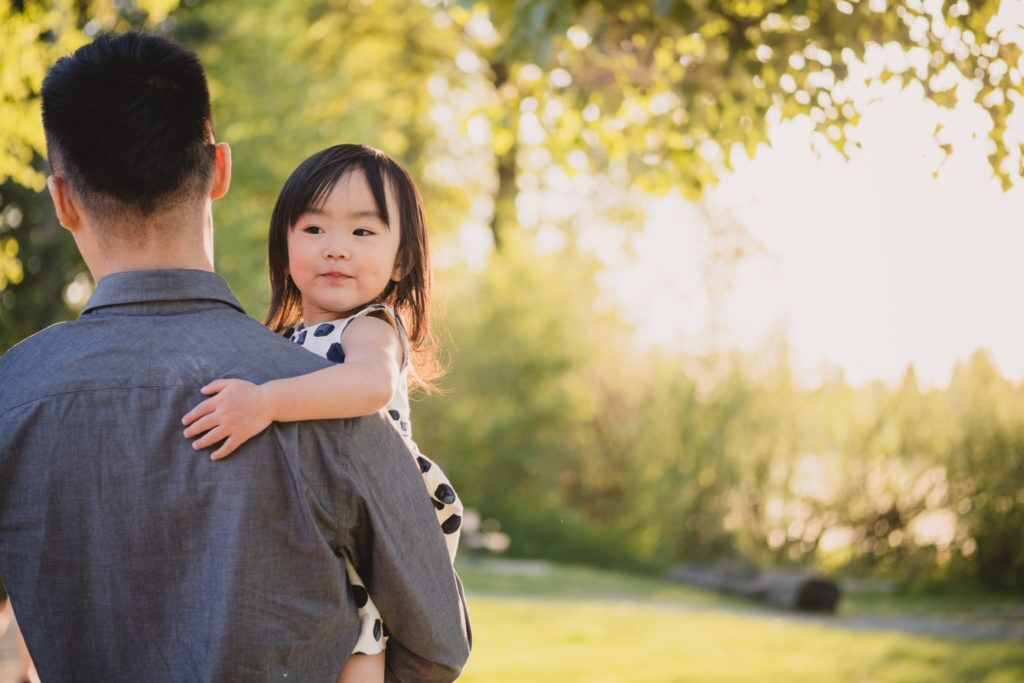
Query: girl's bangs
{"points": [[323, 181]]}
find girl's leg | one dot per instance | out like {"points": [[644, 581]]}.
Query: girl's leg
{"points": [[363, 669]]}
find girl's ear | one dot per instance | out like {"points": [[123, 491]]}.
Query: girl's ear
{"points": [[400, 271]]}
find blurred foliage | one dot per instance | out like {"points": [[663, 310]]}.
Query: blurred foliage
{"points": [[43, 263], [583, 447]]}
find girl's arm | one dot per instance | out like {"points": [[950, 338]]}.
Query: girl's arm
{"points": [[237, 410]]}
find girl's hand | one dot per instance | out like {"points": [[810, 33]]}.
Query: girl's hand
{"points": [[236, 410]]}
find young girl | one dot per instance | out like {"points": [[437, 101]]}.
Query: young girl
{"points": [[350, 281]]}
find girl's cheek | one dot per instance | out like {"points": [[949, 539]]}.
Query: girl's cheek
{"points": [[293, 251]]}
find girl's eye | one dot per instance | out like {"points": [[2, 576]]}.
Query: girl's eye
{"points": [[313, 229], [362, 232]]}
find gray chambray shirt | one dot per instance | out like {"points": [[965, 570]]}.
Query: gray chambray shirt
{"points": [[129, 556]]}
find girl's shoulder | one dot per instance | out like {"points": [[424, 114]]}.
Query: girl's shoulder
{"points": [[382, 311], [387, 314]]}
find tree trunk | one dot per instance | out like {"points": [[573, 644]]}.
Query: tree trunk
{"points": [[505, 164]]}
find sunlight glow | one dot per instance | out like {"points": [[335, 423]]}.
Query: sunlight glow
{"points": [[868, 264]]}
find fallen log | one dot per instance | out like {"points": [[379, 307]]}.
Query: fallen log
{"points": [[780, 588]]}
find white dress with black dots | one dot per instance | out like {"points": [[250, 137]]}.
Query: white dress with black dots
{"points": [[324, 339]]}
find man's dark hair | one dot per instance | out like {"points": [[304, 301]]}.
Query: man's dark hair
{"points": [[127, 119]]}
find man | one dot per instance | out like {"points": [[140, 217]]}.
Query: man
{"points": [[127, 554]]}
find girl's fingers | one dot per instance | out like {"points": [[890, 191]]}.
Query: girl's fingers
{"points": [[227, 449], [209, 438], [201, 425], [204, 408], [214, 387]]}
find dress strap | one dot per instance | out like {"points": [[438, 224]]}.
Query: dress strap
{"points": [[392, 318]]}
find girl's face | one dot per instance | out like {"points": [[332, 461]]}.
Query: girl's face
{"points": [[342, 256]]}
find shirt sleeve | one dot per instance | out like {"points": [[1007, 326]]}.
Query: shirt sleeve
{"points": [[392, 538]]}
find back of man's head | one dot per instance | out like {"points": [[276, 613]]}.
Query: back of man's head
{"points": [[127, 121]]}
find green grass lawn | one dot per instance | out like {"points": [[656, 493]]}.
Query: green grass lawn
{"points": [[558, 623]]}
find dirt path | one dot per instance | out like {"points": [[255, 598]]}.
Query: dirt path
{"points": [[974, 628]]}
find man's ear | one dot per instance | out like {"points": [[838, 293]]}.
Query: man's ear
{"points": [[65, 202], [221, 170]]}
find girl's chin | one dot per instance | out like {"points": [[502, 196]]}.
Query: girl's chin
{"points": [[332, 312]]}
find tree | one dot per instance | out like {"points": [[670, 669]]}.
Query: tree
{"points": [[986, 465], [661, 92]]}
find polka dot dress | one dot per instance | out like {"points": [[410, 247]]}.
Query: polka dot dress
{"points": [[325, 339]]}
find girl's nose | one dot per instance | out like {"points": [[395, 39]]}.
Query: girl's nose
{"points": [[336, 250]]}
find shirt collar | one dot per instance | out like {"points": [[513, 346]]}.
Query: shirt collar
{"points": [[143, 286]]}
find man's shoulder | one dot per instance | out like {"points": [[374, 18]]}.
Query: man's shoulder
{"points": [[275, 356], [28, 344], [20, 364]]}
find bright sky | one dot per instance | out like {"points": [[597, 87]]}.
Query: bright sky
{"points": [[867, 264]]}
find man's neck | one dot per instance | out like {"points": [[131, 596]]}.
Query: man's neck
{"points": [[147, 262], [180, 243]]}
